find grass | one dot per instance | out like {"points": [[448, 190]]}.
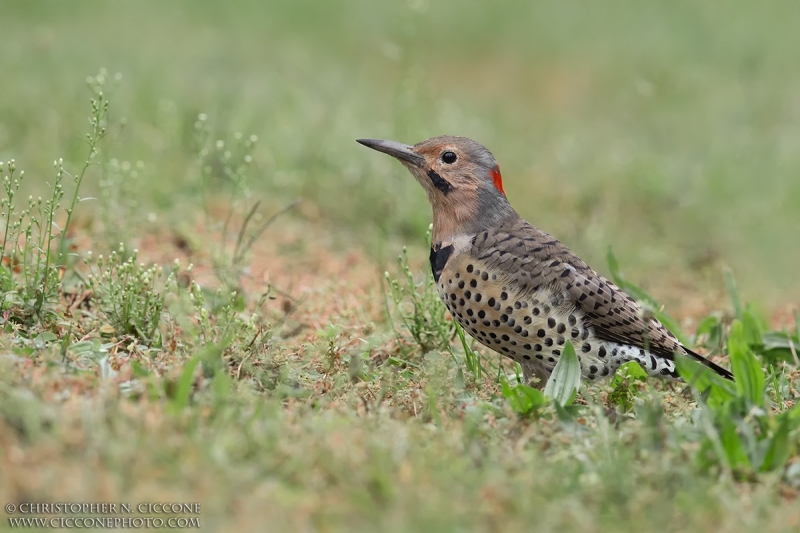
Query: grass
{"points": [[199, 309]]}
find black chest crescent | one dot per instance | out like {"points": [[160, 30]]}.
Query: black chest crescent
{"points": [[439, 257]]}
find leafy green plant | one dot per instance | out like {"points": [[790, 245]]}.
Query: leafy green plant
{"points": [[31, 267], [757, 431], [626, 385], [523, 399], [131, 295], [213, 315], [330, 338], [28, 273], [744, 432]]}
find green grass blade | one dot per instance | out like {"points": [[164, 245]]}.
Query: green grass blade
{"points": [[735, 452], [752, 329], [184, 386], [750, 378], [471, 359], [734, 293], [780, 447]]}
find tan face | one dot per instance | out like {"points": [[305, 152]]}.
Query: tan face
{"points": [[446, 172]]}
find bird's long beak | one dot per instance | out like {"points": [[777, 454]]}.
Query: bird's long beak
{"points": [[401, 151]]}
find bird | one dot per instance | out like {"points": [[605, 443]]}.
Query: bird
{"points": [[515, 288]]}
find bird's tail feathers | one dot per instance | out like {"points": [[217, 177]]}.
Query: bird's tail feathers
{"points": [[727, 374]]}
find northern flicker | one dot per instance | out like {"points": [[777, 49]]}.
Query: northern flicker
{"points": [[515, 288]]}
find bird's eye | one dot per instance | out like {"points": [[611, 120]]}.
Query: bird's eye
{"points": [[449, 157]]}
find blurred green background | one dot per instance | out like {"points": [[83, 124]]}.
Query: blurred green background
{"points": [[668, 130]]}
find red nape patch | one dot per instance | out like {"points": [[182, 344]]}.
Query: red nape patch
{"points": [[498, 179]]}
